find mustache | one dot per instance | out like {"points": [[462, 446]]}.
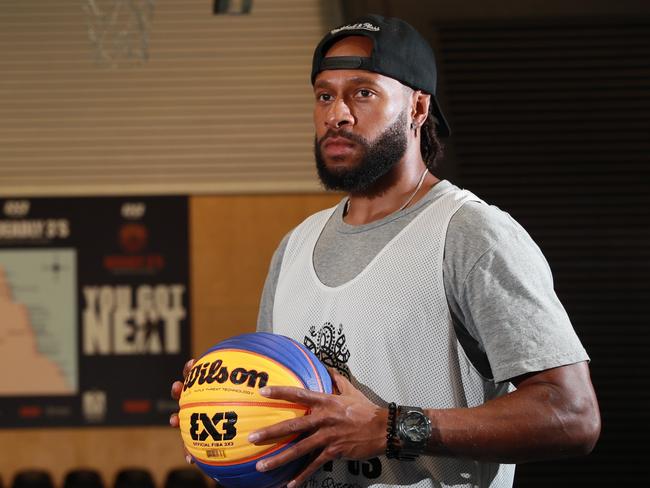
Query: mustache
{"points": [[343, 134]]}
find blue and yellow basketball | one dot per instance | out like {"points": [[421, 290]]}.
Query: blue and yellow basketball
{"points": [[220, 405]]}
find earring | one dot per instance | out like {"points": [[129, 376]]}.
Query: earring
{"points": [[414, 127]]}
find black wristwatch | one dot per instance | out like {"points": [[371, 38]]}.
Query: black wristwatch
{"points": [[413, 430]]}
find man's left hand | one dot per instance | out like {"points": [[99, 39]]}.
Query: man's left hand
{"points": [[345, 425]]}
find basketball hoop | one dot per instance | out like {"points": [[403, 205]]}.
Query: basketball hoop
{"points": [[119, 30], [232, 7]]}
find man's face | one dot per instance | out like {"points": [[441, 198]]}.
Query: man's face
{"points": [[361, 121]]}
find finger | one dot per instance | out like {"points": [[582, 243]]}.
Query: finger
{"points": [[294, 452], [311, 468], [174, 421], [285, 428], [341, 383], [294, 394], [5, 291], [188, 458], [188, 366], [177, 389], [333, 372]]}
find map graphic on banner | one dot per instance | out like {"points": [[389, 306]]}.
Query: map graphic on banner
{"points": [[38, 330]]}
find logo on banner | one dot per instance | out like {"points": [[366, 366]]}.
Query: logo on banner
{"points": [[136, 406], [133, 320], [133, 210], [30, 411], [93, 405], [16, 208], [133, 239]]}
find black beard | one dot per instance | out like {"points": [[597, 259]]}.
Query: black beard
{"points": [[377, 159]]}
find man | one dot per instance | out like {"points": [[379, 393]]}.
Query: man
{"points": [[454, 358]]}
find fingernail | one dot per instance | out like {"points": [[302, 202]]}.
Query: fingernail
{"points": [[265, 391], [253, 437], [291, 484], [261, 466], [188, 459]]}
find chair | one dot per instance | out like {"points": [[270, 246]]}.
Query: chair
{"points": [[185, 478], [32, 478], [83, 478], [134, 478]]}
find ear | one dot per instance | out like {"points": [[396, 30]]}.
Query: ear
{"points": [[419, 107]]}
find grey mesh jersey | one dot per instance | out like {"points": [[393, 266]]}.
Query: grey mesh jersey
{"points": [[398, 346]]}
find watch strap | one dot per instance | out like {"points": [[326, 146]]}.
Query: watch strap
{"points": [[391, 432]]}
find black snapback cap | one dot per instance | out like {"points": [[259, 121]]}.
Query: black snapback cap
{"points": [[399, 52]]}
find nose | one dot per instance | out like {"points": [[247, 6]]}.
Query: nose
{"points": [[339, 115]]}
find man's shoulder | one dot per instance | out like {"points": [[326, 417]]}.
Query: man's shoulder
{"points": [[482, 224]]}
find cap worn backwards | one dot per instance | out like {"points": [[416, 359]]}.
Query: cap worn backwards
{"points": [[399, 52]]}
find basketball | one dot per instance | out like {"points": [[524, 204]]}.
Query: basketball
{"points": [[220, 405]]}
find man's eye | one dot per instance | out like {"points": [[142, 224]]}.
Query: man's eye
{"points": [[365, 93], [324, 97]]}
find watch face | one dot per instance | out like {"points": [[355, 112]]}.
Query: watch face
{"points": [[415, 427]]}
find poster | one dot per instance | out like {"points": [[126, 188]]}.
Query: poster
{"points": [[94, 309]]}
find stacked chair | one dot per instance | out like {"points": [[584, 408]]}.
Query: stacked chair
{"points": [[32, 478], [134, 478], [185, 478], [83, 478]]}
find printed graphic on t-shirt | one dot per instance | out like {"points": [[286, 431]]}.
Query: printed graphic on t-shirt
{"points": [[328, 344], [368, 470]]}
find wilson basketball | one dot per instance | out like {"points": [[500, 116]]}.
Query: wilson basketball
{"points": [[220, 405]]}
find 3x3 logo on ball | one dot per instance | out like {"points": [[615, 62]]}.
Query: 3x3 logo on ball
{"points": [[220, 427]]}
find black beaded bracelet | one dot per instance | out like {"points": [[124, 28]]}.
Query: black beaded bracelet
{"points": [[391, 448]]}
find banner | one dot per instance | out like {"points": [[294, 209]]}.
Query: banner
{"points": [[94, 309]]}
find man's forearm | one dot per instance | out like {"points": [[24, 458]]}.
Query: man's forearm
{"points": [[552, 414]]}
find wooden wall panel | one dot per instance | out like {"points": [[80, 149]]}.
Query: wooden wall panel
{"points": [[105, 449], [233, 240]]}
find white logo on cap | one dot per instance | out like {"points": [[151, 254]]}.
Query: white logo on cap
{"points": [[361, 26]]}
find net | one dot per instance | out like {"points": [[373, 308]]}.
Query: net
{"points": [[119, 30]]}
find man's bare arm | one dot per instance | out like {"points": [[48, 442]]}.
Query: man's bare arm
{"points": [[552, 414]]}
